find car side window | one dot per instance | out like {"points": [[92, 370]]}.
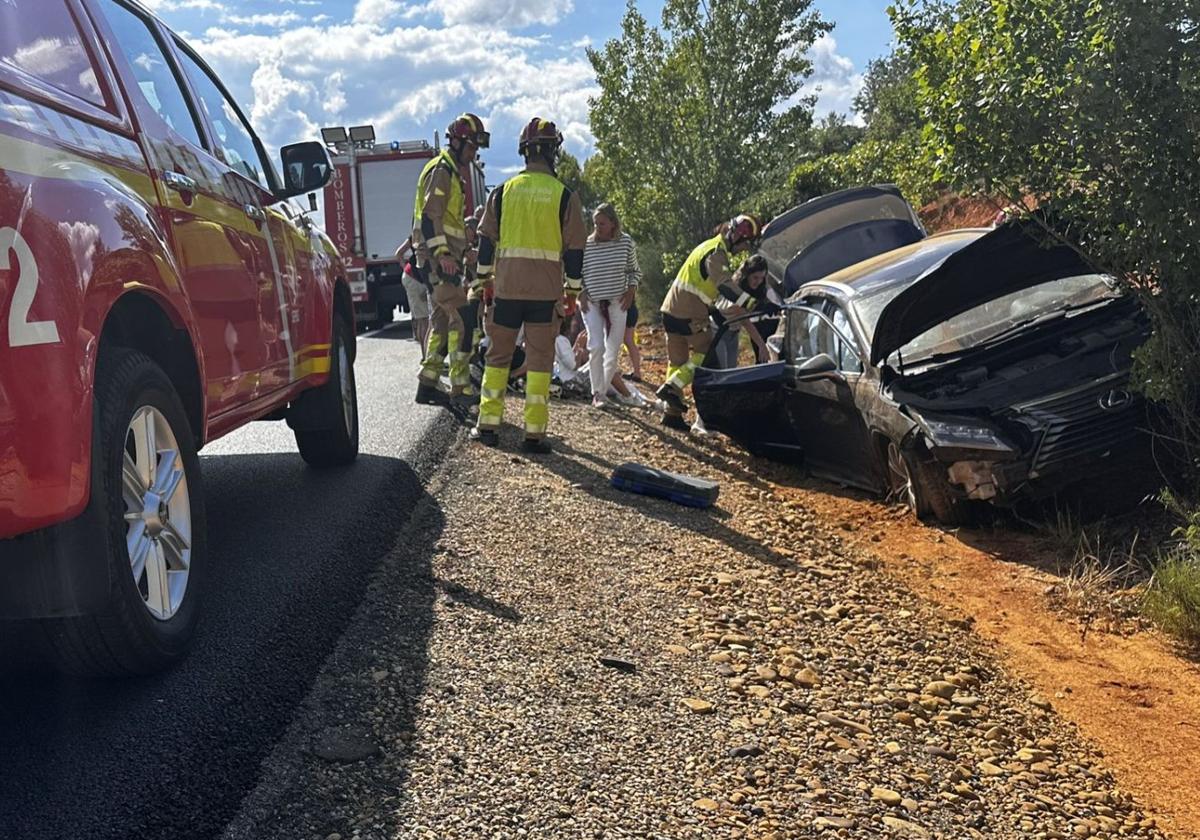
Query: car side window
{"points": [[151, 70], [41, 39], [808, 335], [843, 354], [235, 142]]}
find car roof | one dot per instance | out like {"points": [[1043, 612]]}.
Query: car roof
{"points": [[879, 272]]}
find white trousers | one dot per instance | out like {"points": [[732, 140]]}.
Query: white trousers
{"points": [[604, 344]]}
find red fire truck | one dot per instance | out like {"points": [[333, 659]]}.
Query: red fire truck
{"points": [[368, 212]]}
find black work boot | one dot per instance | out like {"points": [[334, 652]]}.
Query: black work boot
{"points": [[536, 446], [670, 395], [430, 394], [675, 421], [466, 398], [488, 437]]}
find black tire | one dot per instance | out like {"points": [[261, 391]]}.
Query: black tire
{"points": [[920, 482], [385, 315], [326, 428], [125, 639]]}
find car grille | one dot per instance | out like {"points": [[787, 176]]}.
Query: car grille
{"points": [[1082, 423]]}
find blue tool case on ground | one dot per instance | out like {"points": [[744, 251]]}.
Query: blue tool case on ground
{"points": [[681, 489]]}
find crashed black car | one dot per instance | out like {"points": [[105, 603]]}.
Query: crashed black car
{"points": [[972, 365]]}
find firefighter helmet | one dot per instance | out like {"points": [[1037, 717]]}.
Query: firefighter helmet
{"points": [[470, 128], [744, 227], [539, 132]]}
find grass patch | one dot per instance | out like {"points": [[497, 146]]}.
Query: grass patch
{"points": [[1172, 599]]}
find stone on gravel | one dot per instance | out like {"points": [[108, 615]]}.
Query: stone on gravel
{"points": [[345, 745], [905, 828], [941, 688], [706, 804], [886, 795], [623, 665], [698, 706]]}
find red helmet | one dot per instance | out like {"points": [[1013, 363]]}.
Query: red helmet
{"points": [[744, 228], [539, 132], [470, 128]]}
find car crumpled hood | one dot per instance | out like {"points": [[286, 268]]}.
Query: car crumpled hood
{"points": [[1002, 261], [829, 233]]}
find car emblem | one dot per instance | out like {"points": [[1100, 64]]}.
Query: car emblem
{"points": [[1115, 400]]}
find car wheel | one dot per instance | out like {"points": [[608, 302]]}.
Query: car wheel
{"points": [[386, 315], [328, 437], [146, 490], [922, 486]]}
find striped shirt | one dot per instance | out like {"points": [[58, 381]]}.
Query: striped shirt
{"points": [[610, 268]]}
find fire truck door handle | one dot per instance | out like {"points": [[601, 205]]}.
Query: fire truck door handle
{"points": [[179, 182], [255, 213]]}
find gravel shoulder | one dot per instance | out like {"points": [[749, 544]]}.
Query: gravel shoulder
{"points": [[768, 680]]}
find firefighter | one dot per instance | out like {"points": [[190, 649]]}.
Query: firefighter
{"points": [[703, 278], [530, 239], [441, 240]]}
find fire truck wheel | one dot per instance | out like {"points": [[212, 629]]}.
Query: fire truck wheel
{"points": [[328, 437], [145, 489]]}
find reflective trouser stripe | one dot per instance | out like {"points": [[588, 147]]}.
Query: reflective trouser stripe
{"points": [[460, 373], [460, 369], [537, 403], [491, 402], [476, 338], [684, 374], [435, 354]]}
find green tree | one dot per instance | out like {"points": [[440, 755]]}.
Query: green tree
{"points": [[576, 178], [882, 150], [697, 116], [1093, 107]]}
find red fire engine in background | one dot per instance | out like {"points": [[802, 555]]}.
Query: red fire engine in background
{"points": [[368, 212]]}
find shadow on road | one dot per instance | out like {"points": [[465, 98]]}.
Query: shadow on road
{"points": [[400, 330], [292, 552], [592, 473]]}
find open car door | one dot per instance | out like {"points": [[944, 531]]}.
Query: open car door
{"points": [[835, 231], [747, 405]]}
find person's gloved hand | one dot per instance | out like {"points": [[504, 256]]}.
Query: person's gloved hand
{"points": [[573, 287], [478, 288], [447, 264]]}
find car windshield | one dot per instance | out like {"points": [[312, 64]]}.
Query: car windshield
{"points": [[992, 319]]}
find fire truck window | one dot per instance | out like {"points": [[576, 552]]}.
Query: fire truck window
{"points": [[40, 38], [150, 67], [235, 142]]}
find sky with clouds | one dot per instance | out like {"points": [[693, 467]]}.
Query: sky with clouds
{"points": [[409, 66]]}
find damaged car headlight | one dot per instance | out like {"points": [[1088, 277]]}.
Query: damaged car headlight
{"points": [[951, 432]]}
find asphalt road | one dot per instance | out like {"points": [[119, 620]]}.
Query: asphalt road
{"points": [[292, 551]]}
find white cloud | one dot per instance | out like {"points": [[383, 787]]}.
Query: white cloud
{"points": [[834, 81], [408, 80], [376, 12], [509, 14], [275, 19]]}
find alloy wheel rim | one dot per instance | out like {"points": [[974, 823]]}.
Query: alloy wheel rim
{"points": [[158, 512], [900, 478], [345, 374]]}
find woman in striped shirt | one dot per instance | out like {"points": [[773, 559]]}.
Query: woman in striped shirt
{"points": [[610, 281]]}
